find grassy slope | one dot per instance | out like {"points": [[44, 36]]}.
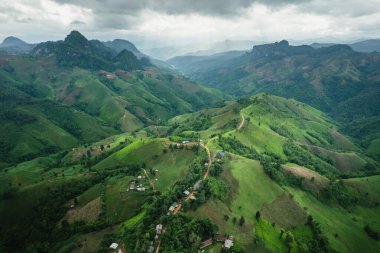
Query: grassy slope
{"points": [[336, 220], [121, 100], [170, 165], [120, 203], [250, 190]]}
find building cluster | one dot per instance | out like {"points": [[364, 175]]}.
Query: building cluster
{"points": [[227, 241]]}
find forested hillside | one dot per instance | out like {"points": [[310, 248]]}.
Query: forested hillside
{"points": [[82, 91]]}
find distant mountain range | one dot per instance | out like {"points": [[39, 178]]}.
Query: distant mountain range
{"points": [[366, 46], [168, 52], [335, 79], [13, 45]]}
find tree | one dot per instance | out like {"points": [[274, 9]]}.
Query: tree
{"points": [[102, 147], [289, 238], [242, 221], [258, 214], [226, 217]]}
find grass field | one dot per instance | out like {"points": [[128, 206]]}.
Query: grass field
{"points": [[261, 138], [374, 147], [24, 174], [336, 220], [284, 212], [368, 187], [270, 236], [89, 195], [171, 166], [122, 204], [345, 162], [250, 190], [137, 152], [312, 181]]}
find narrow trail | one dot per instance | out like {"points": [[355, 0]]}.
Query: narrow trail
{"points": [[209, 160], [150, 182], [241, 123], [158, 246]]}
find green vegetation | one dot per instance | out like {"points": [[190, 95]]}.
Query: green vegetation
{"points": [[86, 94], [99, 146]]}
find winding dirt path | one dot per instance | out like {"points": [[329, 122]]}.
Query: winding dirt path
{"points": [[241, 123], [150, 182], [209, 160]]}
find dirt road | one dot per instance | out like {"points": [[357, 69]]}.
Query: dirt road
{"points": [[241, 123]]}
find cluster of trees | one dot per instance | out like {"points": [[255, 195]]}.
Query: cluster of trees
{"points": [[372, 233], [199, 123], [194, 148], [18, 117], [184, 234], [212, 188], [235, 146], [325, 140], [319, 243], [302, 157], [40, 231], [281, 130], [338, 191]]}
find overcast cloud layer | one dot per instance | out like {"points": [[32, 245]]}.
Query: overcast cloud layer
{"points": [[192, 21]]}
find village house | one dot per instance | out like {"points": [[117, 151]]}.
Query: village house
{"points": [[229, 242], [159, 229], [132, 186], [205, 244], [114, 245], [173, 206], [187, 193], [141, 189]]}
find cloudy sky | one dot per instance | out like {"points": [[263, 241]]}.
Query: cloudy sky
{"points": [[192, 21]]}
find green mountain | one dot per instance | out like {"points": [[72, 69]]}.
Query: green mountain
{"points": [[287, 181], [76, 50], [84, 91], [336, 80]]}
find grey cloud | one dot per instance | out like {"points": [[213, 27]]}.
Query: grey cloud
{"points": [[351, 8], [124, 15], [78, 22], [205, 7], [23, 19]]}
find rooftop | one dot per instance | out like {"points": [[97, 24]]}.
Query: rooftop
{"points": [[114, 245]]}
